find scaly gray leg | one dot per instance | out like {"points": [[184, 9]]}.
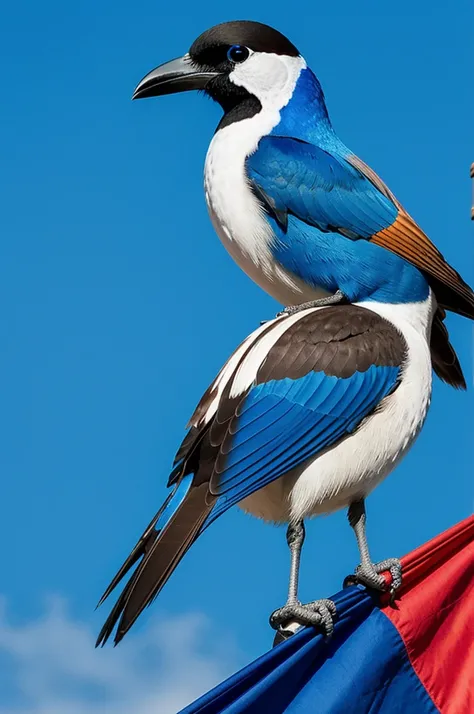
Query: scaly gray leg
{"points": [[368, 573], [319, 613], [335, 299]]}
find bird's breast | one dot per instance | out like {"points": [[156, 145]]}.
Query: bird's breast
{"points": [[356, 465], [240, 220]]}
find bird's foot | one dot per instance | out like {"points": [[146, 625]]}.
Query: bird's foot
{"points": [[369, 575], [335, 299], [319, 613]]}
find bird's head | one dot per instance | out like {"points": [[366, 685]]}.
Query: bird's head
{"points": [[239, 64]]}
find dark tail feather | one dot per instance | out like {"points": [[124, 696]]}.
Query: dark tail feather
{"points": [[444, 358], [161, 552], [140, 549], [457, 297]]}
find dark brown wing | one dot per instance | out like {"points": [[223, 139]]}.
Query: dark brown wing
{"points": [[338, 341]]}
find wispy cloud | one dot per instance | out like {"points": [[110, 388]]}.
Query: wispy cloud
{"points": [[56, 670]]}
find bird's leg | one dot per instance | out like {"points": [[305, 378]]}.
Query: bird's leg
{"points": [[368, 573], [335, 299], [320, 613], [295, 536]]}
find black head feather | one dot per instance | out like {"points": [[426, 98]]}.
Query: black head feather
{"points": [[210, 48]]}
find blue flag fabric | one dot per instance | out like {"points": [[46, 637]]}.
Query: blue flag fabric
{"points": [[364, 668], [416, 658]]}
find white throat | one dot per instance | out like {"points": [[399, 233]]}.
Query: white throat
{"points": [[236, 214]]}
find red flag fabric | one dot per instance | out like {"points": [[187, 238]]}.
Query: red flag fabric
{"points": [[414, 658]]}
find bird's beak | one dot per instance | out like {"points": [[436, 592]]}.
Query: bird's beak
{"points": [[179, 75]]}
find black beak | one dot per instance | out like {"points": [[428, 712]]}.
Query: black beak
{"points": [[179, 75]]}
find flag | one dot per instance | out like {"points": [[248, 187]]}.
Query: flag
{"points": [[416, 657]]}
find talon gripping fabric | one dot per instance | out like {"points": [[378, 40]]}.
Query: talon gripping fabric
{"points": [[415, 658]]}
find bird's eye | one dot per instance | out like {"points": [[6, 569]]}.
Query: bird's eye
{"points": [[237, 53]]}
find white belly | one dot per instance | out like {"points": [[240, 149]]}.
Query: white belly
{"points": [[354, 467], [238, 217]]}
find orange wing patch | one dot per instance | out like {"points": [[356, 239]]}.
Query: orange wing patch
{"points": [[405, 238]]}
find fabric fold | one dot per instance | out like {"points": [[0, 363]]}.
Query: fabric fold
{"points": [[414, 658]]}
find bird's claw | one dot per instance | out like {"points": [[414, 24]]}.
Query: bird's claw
{"points": [[282, 313], [291, 310], [335, 299], [319, 613], [369, 575]]}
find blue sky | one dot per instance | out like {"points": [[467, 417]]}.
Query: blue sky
{"points": [[119, 305]]}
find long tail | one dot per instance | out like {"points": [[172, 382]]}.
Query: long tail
{"points": [[169, 535]]}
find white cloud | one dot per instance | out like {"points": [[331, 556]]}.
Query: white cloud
{"points": [[56, 670]]}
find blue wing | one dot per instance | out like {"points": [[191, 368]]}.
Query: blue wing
{"points": [[320, 188], [318, 198], [327, 216], [281, 424]]}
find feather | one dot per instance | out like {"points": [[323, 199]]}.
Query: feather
{"points": [[161, 551]]}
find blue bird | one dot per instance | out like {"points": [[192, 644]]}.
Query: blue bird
{"points": [[303, 216], [306, 417]]}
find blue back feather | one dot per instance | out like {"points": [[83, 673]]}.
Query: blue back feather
{"points": [[333, 209]]}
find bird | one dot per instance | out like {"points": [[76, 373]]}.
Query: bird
{"points": [[308, 415], [302, 215]]}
